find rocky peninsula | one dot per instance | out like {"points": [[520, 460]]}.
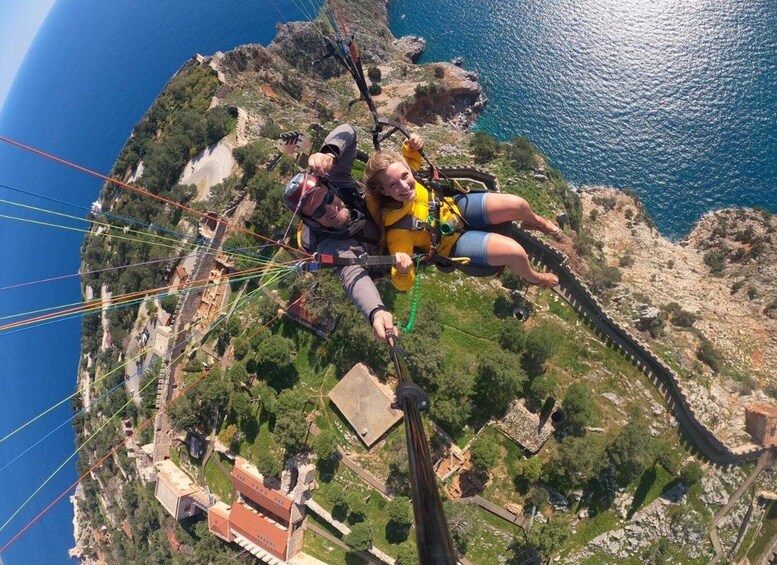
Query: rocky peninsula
{"points": [[219, 384]]}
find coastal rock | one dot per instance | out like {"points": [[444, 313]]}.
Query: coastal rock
{"points": [[410, 47]]}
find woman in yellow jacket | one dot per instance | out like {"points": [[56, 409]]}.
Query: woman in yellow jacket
{"points": [[394, 194]]}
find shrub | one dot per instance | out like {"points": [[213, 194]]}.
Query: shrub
{"points": [[736, 286], [483, 146], [270, 129], [593, 215], [626, 260], [691, 473], [746, 235], [169, 303], [603, 276], [579, 406], [521, 153], [374, 74], [628, 213], [715, 260], [752, 293], [375, 89], [606, 202], [439, 71], [425, 89], [683, 319], [360, 537], [707, 354], [485, 452], [670, 264]]}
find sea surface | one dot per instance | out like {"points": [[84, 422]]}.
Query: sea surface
{"points": [[674, 99], [93, 70], [677, 100]]}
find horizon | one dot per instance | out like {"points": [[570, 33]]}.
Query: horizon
{"points": [[19, 28]]}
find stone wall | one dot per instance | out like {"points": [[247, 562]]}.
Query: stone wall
{"points": [[577, 293]]}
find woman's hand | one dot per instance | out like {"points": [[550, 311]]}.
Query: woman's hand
{"points": [[404, 263], [321, 163], [416, 142]]}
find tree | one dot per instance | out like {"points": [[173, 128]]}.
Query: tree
{"points": [[530, 470], [399, 511], [240, 405], [512, 335], [169, 303], [360, 537], [374, 73], [356, 505], [238, 375], [521, 153], [484, 146], [486, 452], [452, 403], [274, 357], [325, 445], [499, 371], [218, 124], [250, 158], [550, 537], [542, 387], [229, 435], [268, 464], [336, 496], [632, 451], [579, 407], [266, 396], [691, 473], [462, 524], [542, 343], [290, 431], [577, 460], [406, 554]]}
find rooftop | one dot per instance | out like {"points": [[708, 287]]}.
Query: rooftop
{"points": [[523, 427], [247, 480], [365, 403], [176, 480]]}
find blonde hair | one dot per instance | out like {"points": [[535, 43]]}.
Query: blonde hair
{"points": [[376, 166]]}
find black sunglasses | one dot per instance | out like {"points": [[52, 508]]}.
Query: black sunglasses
{"points": [[321, 208]]}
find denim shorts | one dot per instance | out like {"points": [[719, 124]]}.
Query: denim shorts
{"points": [[473, 243]]}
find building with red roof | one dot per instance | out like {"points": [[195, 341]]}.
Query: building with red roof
{"points": [[263, 519]]}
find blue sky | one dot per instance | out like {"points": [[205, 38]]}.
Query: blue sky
{"points": [[19, 23]]}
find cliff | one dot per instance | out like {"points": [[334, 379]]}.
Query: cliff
{"points": [[723, 274], [714, 291]]}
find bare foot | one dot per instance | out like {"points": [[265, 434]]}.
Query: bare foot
{"points": [[546, 280], [542, 225]]}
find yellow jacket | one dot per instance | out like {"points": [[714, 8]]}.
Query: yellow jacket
{"points": [[407, 241]]}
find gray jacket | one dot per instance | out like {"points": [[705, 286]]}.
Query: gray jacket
{"points": [[360, 236]]}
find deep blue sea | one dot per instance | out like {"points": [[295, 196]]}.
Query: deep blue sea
{"points": [[674, 99], [92, 72], [677, 100]]}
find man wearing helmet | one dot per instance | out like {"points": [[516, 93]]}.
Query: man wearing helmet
{"points": [[336, 221]]}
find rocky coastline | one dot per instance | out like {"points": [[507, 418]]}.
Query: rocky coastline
{"points": [[741, 324]]}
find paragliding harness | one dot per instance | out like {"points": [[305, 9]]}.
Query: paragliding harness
{"points": [[439, 187], [343, 49]]}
